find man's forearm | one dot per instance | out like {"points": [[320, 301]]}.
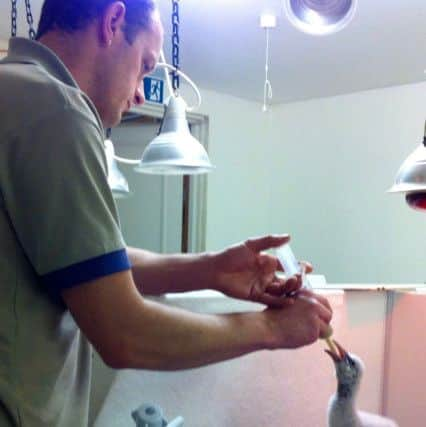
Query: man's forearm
{"points": [[156, 274], [130, 331], [177, 339]]}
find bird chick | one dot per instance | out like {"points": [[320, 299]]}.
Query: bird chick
{"points": [[342, 411]]}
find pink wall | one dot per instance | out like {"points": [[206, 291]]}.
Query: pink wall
{"points": [[280, 388], [405, 394]]}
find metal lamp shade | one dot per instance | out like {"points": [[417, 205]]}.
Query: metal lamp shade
{"points": [[320, 17], [116, 180], [174, 151], [411, 176]]}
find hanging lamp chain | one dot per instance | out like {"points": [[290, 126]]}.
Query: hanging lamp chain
{"points": [[30, 20], [14, 16], [175, 44]]}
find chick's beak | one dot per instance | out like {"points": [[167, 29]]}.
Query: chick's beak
{"points": [[336, 352], [333, 355]]}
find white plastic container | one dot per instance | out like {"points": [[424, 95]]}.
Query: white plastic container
{"points": [[291, 265]]}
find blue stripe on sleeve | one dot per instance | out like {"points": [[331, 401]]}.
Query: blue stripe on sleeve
{"points": [[87, 270]]}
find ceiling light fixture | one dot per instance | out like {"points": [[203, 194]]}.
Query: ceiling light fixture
{"points": [[411, 178], [320, 17], [175, 151]]}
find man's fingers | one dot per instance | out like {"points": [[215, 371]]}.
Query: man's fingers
{"points": [[275, 288], [324, 301], [307, 265], [266, 242], [281, 287], [323, 312], [293, 284], [267, 263], [274, 301], [320, 298]]}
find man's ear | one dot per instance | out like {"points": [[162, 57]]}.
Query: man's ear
{"points": [[112, 20]]}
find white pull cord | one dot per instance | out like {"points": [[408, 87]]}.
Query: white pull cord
{"points": [[166, 73], [267, 88], [126, 161], [189, 81]]}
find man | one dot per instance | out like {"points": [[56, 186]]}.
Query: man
{"points": [[66, 276]]}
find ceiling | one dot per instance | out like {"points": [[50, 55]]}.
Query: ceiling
{"points": [[222, 48]]}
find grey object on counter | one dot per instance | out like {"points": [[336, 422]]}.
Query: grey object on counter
{"points": [[150, 415]]}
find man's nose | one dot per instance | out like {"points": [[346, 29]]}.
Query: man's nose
{"points": [[139, 97]]}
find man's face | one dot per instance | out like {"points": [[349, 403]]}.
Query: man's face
{"points": [[120, 78]]}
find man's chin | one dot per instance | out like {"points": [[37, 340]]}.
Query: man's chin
{"points": [[112, 121]]}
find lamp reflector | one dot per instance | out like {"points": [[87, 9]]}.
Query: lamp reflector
{"points": [[174, 151], [411, 176], [320, 17]]}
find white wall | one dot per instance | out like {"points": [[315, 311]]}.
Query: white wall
{"points": [[334, 159], [239, 188], [319, 170]]}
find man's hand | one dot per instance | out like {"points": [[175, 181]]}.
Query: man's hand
{"points": [[301, 323], [243, 271]]}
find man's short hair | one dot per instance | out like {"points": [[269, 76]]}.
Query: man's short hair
{"points": [[72, 15]]}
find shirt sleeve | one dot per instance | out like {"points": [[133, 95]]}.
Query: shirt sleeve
{"points": [[59, 201]]}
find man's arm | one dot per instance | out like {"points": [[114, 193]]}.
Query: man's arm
{"points": [[129, 331], [156, 274], [241, 271]]}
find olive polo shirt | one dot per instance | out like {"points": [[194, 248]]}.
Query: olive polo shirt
{"points": [[58, 228]]}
